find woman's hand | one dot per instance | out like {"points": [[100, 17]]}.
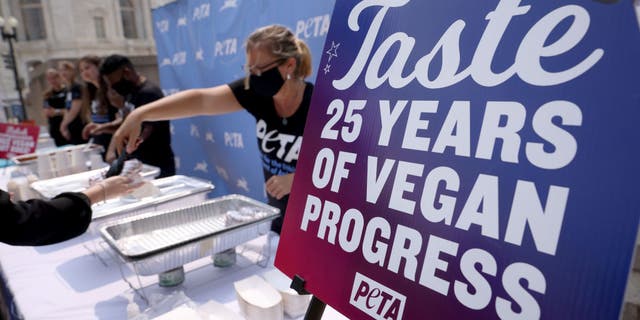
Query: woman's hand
{"points": [[115, 99], [112, 187], [279, 186], [64, 130], [89, 130], [129, 133], [49, 112], [117, 186]]}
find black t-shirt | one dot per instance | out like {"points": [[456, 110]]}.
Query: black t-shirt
{"points": [[77, 124], [41, 222], [279, 139], [57, 99], [74, 93], [155, 149]]}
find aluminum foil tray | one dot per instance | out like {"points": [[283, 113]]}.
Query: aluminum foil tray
{"points": [[77, 182], [175, 192], [157, 242]]}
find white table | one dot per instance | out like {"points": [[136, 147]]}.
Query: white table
{"points": [[68, 281]]}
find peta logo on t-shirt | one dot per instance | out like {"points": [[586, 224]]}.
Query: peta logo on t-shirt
{"points": [[285, 146]]}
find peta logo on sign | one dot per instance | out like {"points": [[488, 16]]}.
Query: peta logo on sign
{"points": [[375, 299]]}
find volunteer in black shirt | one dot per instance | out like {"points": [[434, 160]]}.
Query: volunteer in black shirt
{"points": [[274, 92], [76, 113], [54, 106], [155, 137]]}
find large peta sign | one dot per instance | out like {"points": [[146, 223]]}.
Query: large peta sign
{"points": [[470, 160]]}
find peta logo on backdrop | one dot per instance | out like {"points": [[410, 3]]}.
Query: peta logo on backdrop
{"points": [[313, 27], [375, 299], [233, 139], [226, 47], [200, 12], [163, 25], [179, 58]]}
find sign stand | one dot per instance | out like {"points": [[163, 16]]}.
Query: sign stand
{"points": [[316, 306]]}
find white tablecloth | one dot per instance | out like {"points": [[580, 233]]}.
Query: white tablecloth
{"points": [[68, 281]]}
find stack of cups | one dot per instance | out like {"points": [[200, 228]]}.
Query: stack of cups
{"points": [[78, 161], [96, 161], [45, 170], [62, 163]]}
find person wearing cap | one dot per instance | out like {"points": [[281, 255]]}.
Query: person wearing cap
{"points": [[155, 140]]}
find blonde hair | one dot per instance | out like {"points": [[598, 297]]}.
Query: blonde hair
{"points": [[50, 72], [282, 43], [85, 110], [68, 65]]}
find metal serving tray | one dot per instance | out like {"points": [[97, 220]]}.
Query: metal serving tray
{"points": [[77, 182], [175, 192], [157, 242]]}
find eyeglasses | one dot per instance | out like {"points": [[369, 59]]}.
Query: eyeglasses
{"points": [[257, 70]]}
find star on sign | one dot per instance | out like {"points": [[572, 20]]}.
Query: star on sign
{"points": [[327, 68], [209, 136], [333, 52], [200, 54]]}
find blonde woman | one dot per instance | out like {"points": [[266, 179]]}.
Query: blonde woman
{"points": [[274, 92]]}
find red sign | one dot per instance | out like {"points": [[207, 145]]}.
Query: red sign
{"points": [[17, 139]]}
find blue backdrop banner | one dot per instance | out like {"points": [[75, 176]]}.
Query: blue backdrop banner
{"points": [[200, 43]]}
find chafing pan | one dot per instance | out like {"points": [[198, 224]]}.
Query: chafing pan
{"points": [[156, 242]]}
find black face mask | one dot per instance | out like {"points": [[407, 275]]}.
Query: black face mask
{"points": [[124, 87], [267, 84]]}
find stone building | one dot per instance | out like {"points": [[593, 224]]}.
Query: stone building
{"points": [[49, 31]]}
